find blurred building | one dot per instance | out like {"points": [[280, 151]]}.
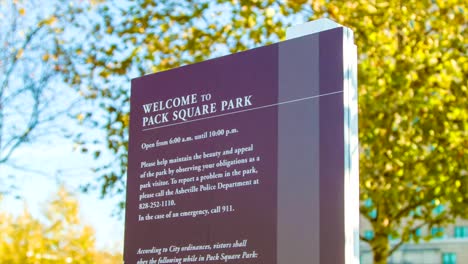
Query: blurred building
{"points": [[450, 248]]}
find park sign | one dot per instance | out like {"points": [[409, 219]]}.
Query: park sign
{"points": [[250, 158]]}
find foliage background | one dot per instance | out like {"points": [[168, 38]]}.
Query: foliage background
{"points": [[57, 236], [412, 89]]}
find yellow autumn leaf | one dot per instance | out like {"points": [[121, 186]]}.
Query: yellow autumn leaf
{"points": [[80, 117], [19, 54], [51, 20], [270, 12]]}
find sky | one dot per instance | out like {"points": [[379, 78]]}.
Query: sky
{"points": [[41, 164], [48, 163], [48, 160]]}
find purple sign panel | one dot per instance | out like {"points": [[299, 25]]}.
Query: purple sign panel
{"points": [[241, 159]]}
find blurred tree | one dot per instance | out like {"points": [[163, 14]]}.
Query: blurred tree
{"points": [[412, 90], [34, 39], [59, 238]]}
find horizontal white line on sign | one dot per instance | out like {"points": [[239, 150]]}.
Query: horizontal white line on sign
{"points": [[245, 110]]}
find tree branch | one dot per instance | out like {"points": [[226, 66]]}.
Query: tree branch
{"points": [[401, 242]]}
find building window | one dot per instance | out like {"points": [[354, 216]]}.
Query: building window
{"points": [[461, 231], [369, 234], [449, 258], [418, 232], [373, 214], [416, 212], [439, 209], [368, 202], [437, 232]]}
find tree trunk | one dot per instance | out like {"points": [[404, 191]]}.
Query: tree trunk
{"points": [[380, 249]]}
